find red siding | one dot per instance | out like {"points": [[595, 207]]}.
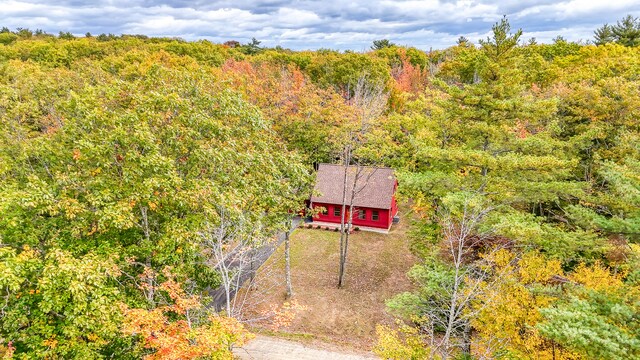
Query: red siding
{"points": [[384, 216]]}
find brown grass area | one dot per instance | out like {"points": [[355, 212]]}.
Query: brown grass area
{"points": [[376, 270]]}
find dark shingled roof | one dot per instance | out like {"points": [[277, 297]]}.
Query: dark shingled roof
{"points": [[374, 188]]}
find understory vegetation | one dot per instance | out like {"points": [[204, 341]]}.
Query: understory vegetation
{"points": [[133, 168]]}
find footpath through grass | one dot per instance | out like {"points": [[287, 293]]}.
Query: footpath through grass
{"points": [[376, 270]]}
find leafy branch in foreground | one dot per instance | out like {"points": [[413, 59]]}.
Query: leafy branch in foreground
{"points": [[181, 327]]}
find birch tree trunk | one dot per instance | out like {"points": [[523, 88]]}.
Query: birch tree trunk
{"points": [[452, 310], [345, 248], [287, 263], [369, 101], [346, 159]]}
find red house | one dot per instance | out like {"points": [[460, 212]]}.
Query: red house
{"points": [[374, 202]]}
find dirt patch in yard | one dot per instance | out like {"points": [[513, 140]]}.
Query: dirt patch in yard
{"points": [[376, 271]]}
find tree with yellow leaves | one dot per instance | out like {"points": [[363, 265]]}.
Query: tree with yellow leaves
{"points": [[508, 309], [598, 317]]}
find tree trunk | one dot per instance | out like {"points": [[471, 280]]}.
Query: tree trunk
{"points": [[345, 248], [345, 162], [485, 168], [343, 255], [287, 264], [252, 271], [466, 340]]}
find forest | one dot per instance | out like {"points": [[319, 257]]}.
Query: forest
{"points": [[129, 163]]}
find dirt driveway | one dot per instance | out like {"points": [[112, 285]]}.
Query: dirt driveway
{"points": [[268, 348]]}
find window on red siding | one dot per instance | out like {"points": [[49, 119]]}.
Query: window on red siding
{"points": [[375, 215], [324, 211], [336, 211], [362, 214]]}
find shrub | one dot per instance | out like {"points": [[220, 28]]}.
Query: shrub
{"points": [[356, 229], [335, 229], [8, 38]]}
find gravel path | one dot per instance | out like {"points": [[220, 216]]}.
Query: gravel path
{"points": [[268, 348]]}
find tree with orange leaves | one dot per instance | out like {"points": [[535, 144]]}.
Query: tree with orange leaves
{"points": [[182, 328], [303, 114]]}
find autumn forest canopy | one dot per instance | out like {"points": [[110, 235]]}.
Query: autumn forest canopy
{"points": [[129, 164]]}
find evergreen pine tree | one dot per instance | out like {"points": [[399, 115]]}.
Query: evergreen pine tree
{"points": [[627, 31]]}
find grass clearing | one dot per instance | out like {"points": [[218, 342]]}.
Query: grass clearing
{"points": [[376, 270]]}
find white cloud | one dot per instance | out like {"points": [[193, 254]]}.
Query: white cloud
{"points": [[314, 24]]}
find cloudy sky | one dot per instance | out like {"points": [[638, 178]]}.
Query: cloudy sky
{"points": [[300, 24]]}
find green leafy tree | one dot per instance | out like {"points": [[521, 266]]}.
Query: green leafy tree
{"points": [[599, 326], [66, 35], [598, 316], [614, 208], [130, 165], [342, 71], [502, 40], [7, 38], [604, 35], [494, 136], [24, 33], [58, 305], [252, 48], [463, 41], [627, 31], [381, 44], [546, 135]]}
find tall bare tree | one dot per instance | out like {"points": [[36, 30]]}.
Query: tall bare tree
{"points": [[301, 186], [230, 245], [448, 314], [287, 265], [369, 102]]}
